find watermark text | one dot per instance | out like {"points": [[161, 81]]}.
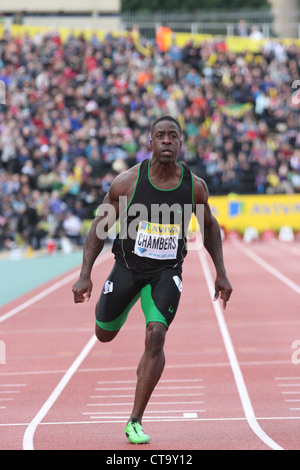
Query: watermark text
{"points": [[160, 226], [296, 353], [296, 92], [2, 352], [2, 92]]}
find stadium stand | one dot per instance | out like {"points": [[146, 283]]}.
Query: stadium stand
{"points": [[78, 112]]}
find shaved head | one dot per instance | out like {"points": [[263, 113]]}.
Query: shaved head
{"points": [[166, 118]]}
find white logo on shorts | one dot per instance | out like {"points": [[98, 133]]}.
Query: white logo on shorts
{"points": [[178, 282], [108, 287]]}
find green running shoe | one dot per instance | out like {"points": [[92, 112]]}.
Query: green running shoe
{"points": [[135, 433]]}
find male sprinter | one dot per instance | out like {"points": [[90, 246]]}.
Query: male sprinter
{"points": [[148, 260]]}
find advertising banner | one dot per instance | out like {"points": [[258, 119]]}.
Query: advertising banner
{"points": [[264, 212]]}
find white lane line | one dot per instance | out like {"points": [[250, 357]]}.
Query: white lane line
{"points": [[30, 430], [239, 380], [13, 385], [156, 389], [154, 395], [161, 381], [62, 423], [268, 267], [287, 378], [100, 413], [288, 385], [191, 415], [185, 417], [179, 366], [149, 404], [289, 249], [48, 290]]}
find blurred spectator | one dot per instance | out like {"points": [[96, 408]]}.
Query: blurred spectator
{"points": [[243, 28], [256, 33], [72, 227], [164, 38], [143, 153]]}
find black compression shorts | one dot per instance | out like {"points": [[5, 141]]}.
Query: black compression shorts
{"points": [[159, 293]]}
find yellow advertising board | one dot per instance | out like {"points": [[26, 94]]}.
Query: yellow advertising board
{"points": [[264, 212], [235, 44]]}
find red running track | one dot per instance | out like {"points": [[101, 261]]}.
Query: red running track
{"points": [[232, 379]]}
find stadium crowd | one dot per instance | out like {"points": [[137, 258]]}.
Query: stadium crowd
{"points": [[78, 112]]}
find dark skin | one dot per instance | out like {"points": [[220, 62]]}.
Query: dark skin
{"points": [[165, 173]]}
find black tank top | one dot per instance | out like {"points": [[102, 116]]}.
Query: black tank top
{"points": [[154, 225]]}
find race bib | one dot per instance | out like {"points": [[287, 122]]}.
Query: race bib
{"points": [[157, 241]]}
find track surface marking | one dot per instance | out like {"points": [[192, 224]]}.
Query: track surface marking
{"points": [[60, 389]]}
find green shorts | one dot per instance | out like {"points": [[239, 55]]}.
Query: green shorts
{"points": [[159, 293]]}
